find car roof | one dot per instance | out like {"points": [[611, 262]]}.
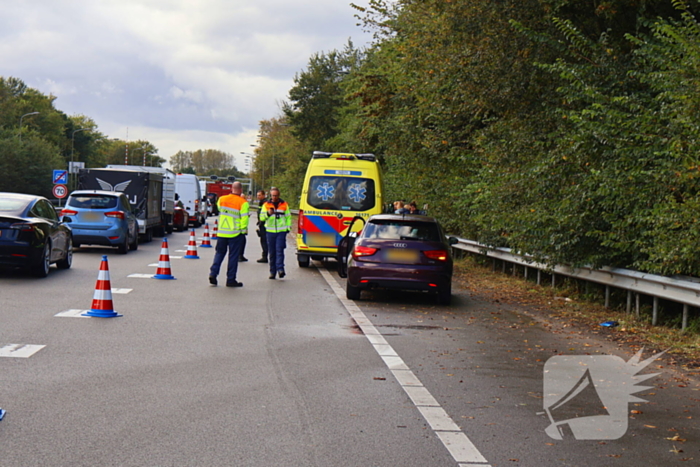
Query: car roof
{"points": [[97, 192], [20, 195], [404, 217]]}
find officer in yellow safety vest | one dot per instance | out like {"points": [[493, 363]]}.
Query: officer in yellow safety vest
{"points": [[233, 225], [277, 217]]}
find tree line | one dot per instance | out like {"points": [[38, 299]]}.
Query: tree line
{"points": [[37, 138], [565, 129]]}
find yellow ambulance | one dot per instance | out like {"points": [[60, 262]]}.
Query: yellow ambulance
{"points": [[337, 187]]}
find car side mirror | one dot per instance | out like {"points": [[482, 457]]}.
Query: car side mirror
{"points": [[453, 240], [66, 220]]}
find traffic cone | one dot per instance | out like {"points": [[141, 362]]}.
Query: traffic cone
{"points": [[216, 228], [206, 243], [163, 271], [102, 299], [192, 248]]}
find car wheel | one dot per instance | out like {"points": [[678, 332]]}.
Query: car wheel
{"points": [[352, 293], [444, 296], [67, 261], [303, 261], [76, 245], [41, 268], [123, 248], [135, 244]]}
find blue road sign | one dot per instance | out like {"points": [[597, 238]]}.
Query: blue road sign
{"points": [[60, 177]]}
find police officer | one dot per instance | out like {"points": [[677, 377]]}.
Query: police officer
{"points": [[277, 217], [233, 225]]}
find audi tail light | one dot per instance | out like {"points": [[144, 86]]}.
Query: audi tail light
{"points": [[68, 212], [361, 251], [439, 255]]}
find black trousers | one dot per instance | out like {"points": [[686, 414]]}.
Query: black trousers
{"points": [[263, 240]]}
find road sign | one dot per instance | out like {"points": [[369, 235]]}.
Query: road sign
{"points": [[60, 177], [60, 191]]}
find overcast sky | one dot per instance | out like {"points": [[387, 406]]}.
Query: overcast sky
{"points": [[182, 74]]}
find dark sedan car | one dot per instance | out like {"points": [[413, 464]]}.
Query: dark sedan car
{"points": [[406, 252], [32, 236]]}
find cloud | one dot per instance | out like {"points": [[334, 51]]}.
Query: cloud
{"points": [[179, 73]]}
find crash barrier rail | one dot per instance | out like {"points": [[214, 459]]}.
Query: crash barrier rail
{"points": [[684, 291]]}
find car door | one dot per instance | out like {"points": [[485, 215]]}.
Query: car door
{"points": [[132, 224], [46, 211]]}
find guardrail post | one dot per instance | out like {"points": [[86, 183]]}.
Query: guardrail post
{"points": [[685, 317], [493, 265], [636, 305], [503, 267], [554, 280], [525, 272], [655, 312], [629, 302], [607, 296], [539, 277]]}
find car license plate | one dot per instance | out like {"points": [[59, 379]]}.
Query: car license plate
{"points": [[92, 216], [399, 255], [320, 239]]}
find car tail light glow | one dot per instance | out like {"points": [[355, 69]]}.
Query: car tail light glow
{"points": [[360, 251], [68, 212], [440, 255], [115, 214]]}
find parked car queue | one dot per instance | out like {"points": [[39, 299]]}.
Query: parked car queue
{"points": [[34, 235]]}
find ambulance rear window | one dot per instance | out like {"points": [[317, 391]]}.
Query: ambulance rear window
{"points": [[341, 193]]}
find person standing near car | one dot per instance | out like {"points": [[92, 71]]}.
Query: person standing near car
{"points": [[262, 233], [277, 218], [233, 225]]}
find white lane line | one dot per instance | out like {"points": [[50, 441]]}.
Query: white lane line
{"points": [[72, 314], [19, 350], [141, 276], [457, 443]]}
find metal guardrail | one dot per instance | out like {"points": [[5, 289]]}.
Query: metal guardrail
{"points": [[686, 292]]}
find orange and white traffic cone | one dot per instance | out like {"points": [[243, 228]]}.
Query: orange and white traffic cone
{"points": [[163, 271], [192, 247], [216, 228], [102, 306], [206, 243]]}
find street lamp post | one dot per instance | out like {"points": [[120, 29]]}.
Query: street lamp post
{"points": [[20, 123], [72, 149], [252, 156]]}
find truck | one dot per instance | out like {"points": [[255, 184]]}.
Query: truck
{"points": [[214, 189], [144, 190], [167, 219]]}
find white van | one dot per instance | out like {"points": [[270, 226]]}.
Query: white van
{"points": [[188, 191]]}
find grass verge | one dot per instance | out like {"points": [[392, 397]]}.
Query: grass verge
{"points": [[579, 306]]}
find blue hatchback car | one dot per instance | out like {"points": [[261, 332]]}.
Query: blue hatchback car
{"points": [[101, 218]]}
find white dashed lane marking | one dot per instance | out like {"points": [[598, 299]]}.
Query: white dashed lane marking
{"points": [[19, 350], [457, 443]]}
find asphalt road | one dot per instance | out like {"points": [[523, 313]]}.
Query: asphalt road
{"points": [[289, 373]]}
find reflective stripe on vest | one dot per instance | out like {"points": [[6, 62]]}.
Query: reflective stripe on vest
{"points": [[280, 220], [233, 216]]}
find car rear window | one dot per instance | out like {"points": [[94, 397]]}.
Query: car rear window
{"points": [[13, 206], [341, 193], [398, 230], [93, 201]]}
